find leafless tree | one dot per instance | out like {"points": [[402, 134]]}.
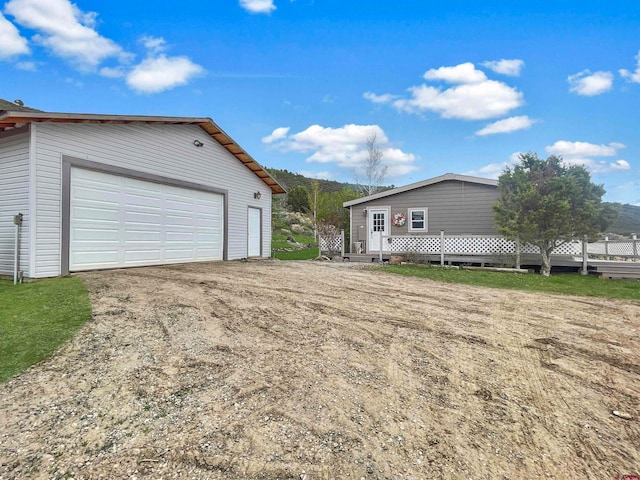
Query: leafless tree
{"points": [[374, 172]]}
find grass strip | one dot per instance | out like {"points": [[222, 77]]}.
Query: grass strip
{"points": [[280, 241], [565, 284], [36, 318]]}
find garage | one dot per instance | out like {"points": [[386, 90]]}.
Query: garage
{"points": [[98, 191], [118, 221]]}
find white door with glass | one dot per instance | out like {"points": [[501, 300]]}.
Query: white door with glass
{"points": [[378, 226], [254, 232]]}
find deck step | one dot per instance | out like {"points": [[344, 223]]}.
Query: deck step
{"points": [[364, 258]]}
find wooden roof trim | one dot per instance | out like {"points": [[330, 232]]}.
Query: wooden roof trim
{"points": [[14, 119]]}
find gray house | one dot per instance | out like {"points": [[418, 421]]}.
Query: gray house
{"points": [[110, 191], [457, 204]]}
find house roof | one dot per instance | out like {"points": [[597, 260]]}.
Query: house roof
{"points": [[423, 183], [16, 106], [16, 116]]}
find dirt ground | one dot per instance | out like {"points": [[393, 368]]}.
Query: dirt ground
{"points": [[307, 370]]}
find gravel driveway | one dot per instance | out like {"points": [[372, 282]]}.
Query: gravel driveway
{"points": [[306, 370]]}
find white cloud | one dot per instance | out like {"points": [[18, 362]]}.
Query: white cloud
{"points": [[620, 165], [345, 146], [477, 101], [162, 73], [113, 72], [572, 149], [66, 30], [11, 43], [505, 67], [590, 84], [385, 98], [258, 6], [494, 170], [153, 44], [157, 72], [27, 66], [632, 76], [463, 73], [472, 97], [507, 125], [277, 134], [580, 153]]}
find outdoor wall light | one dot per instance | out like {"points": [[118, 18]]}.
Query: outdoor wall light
{"points": [[257, 195], [198, 143], [364, 212]]}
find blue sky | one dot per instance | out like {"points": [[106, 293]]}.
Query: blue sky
{"points": [[455, 86]]}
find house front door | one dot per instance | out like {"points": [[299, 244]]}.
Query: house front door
{"points": [[378, 223]]}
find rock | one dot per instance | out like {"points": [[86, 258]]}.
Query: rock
{"points": [[623, 415], [396, 260]]}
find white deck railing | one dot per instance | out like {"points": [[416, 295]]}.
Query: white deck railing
{"points": [[615, 248], [467, 245], [442, 244]]}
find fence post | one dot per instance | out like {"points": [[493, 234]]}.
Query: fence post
{"points": [[342, 242], [442, 248], [606, 247], [380, 244], [584, 256], [518, 253], [634, 237]]}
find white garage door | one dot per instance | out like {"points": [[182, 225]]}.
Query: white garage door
{"points": [[117, 221]]}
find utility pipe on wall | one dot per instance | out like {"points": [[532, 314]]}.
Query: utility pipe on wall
{"points": [[17, 220]]}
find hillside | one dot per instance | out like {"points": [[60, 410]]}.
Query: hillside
{"points": [[289, 179], [628, 220]]}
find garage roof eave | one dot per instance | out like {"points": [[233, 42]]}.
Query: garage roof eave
{"points": [[10, 120]]}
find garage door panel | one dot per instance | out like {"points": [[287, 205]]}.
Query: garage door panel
{"points": [[136, 200], [96, 234], [93, 214], [149, 236], [118, 222], [206, 252], [95, 259], [179, 206], [142, 218], [182, 255], [181, 237], [96, 195], [144, 256]]}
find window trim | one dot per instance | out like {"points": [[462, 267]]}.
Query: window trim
{"points": [[425, 211]]}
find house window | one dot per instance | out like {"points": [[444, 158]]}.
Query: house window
{"points": [[418, 220]]}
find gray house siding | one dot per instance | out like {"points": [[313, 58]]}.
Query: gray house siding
{"points": [[163, 150], [14, 199], [457, 207]]}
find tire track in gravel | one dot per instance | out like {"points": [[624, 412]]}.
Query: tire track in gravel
{"points": [[265, 370]]}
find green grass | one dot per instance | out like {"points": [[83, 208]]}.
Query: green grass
{"points": [[566, 284], [280, 241], [304, 254], [36, 318]]}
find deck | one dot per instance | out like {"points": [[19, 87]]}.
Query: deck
{"points": [[602, 268], [365, 257]]}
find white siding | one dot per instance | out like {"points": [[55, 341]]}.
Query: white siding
{"points": [[165, 150], [14, 199]]}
